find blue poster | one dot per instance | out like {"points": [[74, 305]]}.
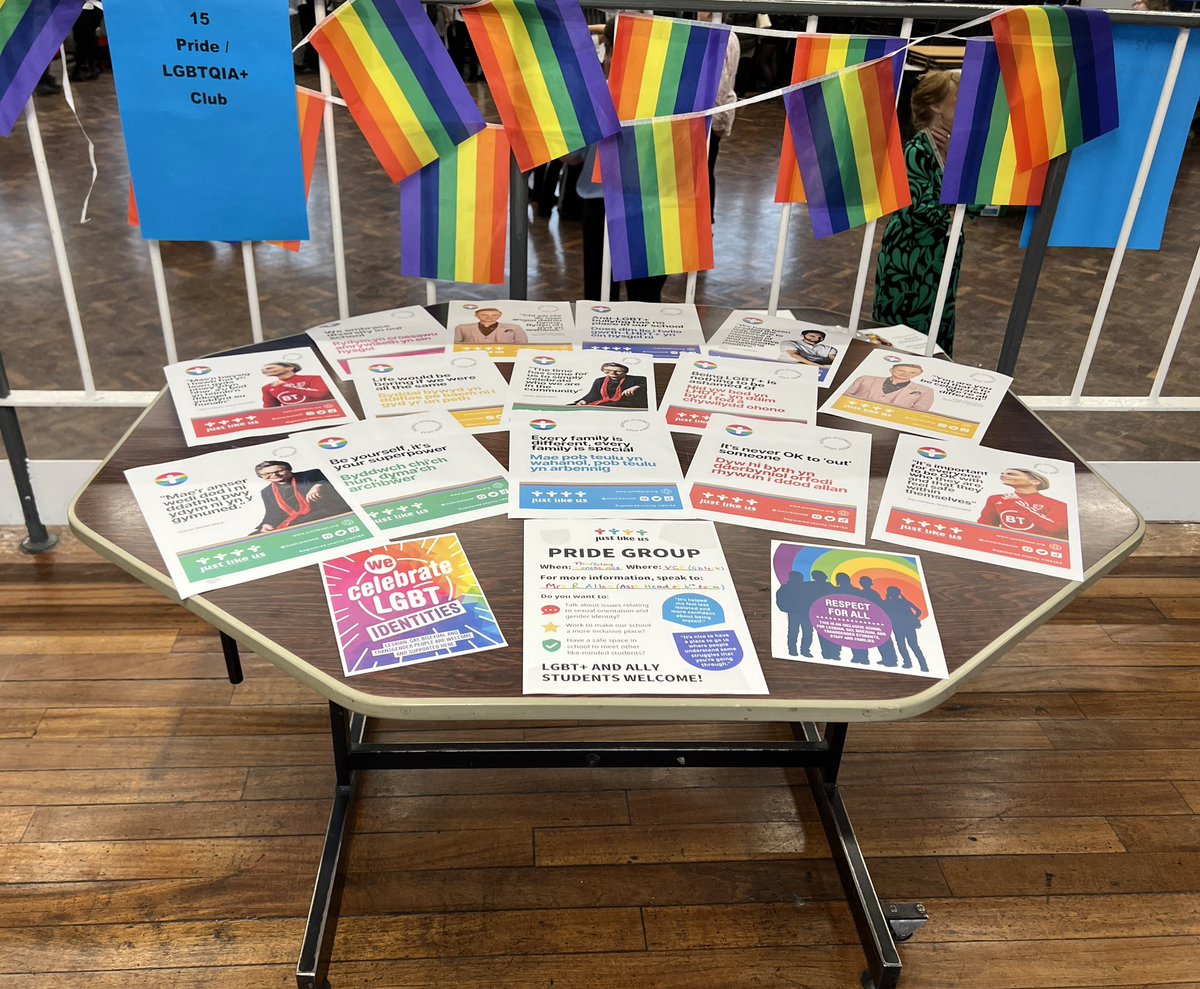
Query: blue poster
{"points": [[207, 95], [1101, 173]]}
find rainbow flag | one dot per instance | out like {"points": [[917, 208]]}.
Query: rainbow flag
{"points": [[312, 114], [848, 145], [818, 55], [30, 33], [398, 81], [454, 213], [981, 164], [662, 66], [545, 78], [656, 198], [1061, 78]]}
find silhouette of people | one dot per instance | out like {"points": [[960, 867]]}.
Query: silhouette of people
{"points": [[846, 587], [887, 652], [906, 619], [794, 599], [821, 587]]}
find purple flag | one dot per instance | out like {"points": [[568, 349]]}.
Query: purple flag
{"points": [[30, 33]]}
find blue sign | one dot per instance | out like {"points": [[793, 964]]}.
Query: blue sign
{"points": [[693, 610], [207, 94], [715, 650]]}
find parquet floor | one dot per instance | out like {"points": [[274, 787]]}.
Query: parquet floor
{"points": [[159, 827]]}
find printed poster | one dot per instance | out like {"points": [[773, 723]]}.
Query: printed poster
{"points": [[406, 603], [379, 335], [663, 331], [899, 337], [1010, 509], [271, 391], [227, 517], [411, 473], [812, 481], [591, 464], [775, 338], [502, 327], [927, 396], [853, 609], [633, 607], [572, 381], [468, 386], [745, 388]]}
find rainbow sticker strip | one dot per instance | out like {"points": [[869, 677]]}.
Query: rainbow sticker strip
{"points": [[398, 81], [662, 66], [30, 33]]}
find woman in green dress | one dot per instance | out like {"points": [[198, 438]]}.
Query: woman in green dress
{"points": [[914, 244]]}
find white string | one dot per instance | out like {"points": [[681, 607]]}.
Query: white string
{"points": [[70, 98]]}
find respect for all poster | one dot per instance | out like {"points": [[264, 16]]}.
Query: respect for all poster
{"points": [[775, 338], [227, 517], [503, 327], [270, 391], [995, 506], [920, 395], [406, 603], [703, 385], [853, 609], [411, 473], [466, 385], [663, 331], [812, 480], [592, 464], [633, 607], [570, 381], [379, 335]]}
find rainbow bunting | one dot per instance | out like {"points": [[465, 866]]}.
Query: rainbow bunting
{"points": [[30, 33], [545, 78], [398, 81], [818, 55], [848, 146], [656, 198], [1061, 78], [981, 164], [312, 113], [454, 213], [661, 65]]}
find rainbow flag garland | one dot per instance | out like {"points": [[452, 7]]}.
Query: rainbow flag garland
{"points": [[542, 68], [398, 81], [848, 146], [30, 33], [656, 198], [1061, 78], [981, 165], [454, 213], [662, 66]]}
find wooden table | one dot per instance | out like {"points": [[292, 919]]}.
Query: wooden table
{"points": [[982, 611]]}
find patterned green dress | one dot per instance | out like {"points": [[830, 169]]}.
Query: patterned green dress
{"points": [[914, 249]]}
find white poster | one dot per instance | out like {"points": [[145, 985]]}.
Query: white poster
{"points": [[259, 394], [392, 333], [412, 473], [776, 338], [227, 517], [812, 480], [925, 395], [503, 327], [663, 331], [1010, 509], [899, 337], [570, 381], [467, 385], [591, 464], [633, 608], [700, 386]]}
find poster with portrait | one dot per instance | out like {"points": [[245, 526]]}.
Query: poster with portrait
{"points": [[853, 609], [466, 385], [572, 381], [406, 603], [231, 516], [379, 335], [927, 396], [591, 464], [749, 335], [663, 331], [502, 328], [811, 480], [995, 506], [411, 473], [700, 386], [259, 394]]}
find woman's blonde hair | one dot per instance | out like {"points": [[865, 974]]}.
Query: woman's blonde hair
{"points": [[933, 89]]}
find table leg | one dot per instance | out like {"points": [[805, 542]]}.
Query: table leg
{"points": [[233, 661]]}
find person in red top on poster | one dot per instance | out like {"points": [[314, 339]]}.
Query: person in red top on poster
{"points": [[1025, 508], [290, 388]]}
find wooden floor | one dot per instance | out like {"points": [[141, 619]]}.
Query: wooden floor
{"points": [[160, 828]]}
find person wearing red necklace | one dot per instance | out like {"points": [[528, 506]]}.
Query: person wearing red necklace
{"points": [[294, 498], [290, 388], [1025, 508], [616, 388]]}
